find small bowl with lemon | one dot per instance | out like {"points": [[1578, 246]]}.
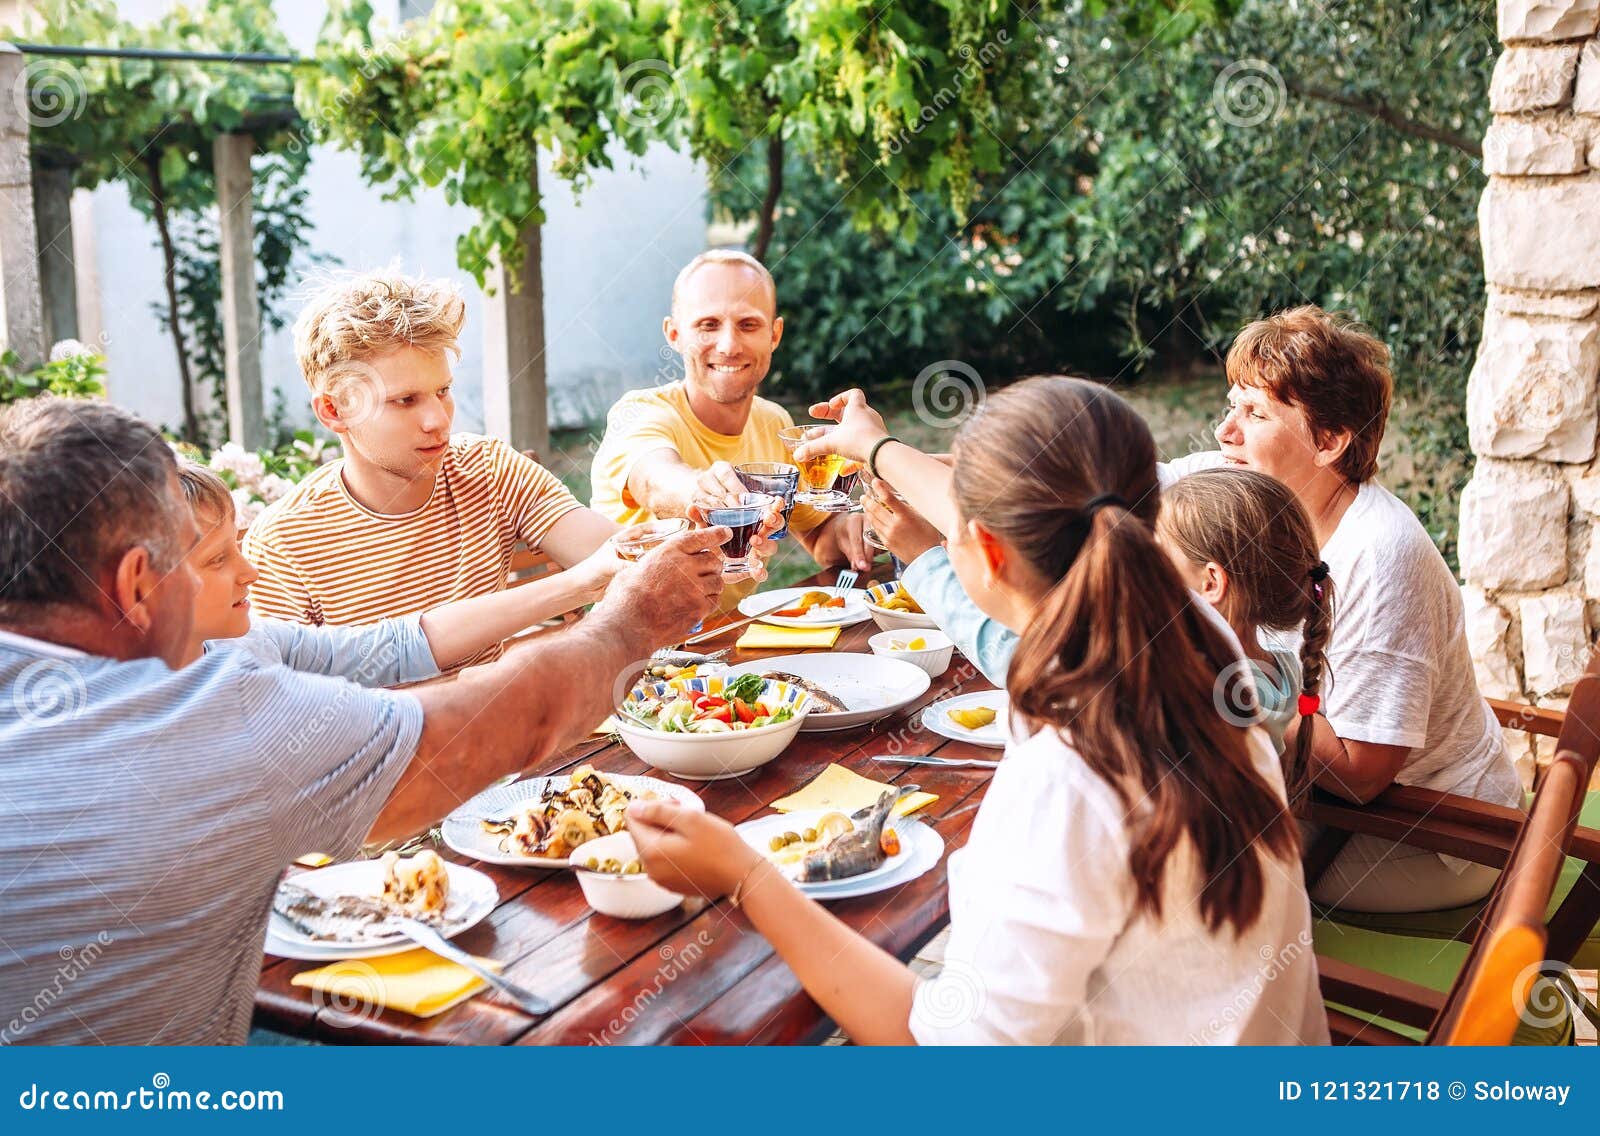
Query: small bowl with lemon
{"points": [[893, 608], [930, 649]]}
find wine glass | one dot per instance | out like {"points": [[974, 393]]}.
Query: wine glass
{"points": [[849, 479], [634, 541], [777, 478], [817, 474], [745, 520]]}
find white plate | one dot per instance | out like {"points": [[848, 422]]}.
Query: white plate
{"points": [[854, 610], [463, 832], [472, 897], [874, 687], [994, 735], [758, 832]]}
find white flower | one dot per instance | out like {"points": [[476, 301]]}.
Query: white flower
{"points": [[317, 450], [273, 487], [246, 466], [68, 348]]}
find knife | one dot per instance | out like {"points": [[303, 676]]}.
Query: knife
{"points": [[950, 763]]}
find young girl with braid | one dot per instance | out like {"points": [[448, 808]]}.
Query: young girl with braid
{"points": [[1132, 862], [1241, 540]]}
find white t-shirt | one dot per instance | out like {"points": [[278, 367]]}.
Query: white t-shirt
{"points": [[1400, 671], [1045, 947]]}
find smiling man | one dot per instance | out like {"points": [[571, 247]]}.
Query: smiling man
{"points": [[670, 451], [413, 516]]}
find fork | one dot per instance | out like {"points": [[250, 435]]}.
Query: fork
{"points": [[426, 936], [847, 580]]}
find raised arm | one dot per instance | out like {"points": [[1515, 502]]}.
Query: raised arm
{"points": [[665, 484], [922, 479], [543, 693]]}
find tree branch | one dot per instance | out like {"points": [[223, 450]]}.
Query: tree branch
{"points": [[169, 262], [1388, 115], [769, 203]]}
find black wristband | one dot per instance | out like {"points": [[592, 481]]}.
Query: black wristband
{"points": [[872, 454]]}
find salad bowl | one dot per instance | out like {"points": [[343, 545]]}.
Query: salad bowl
{"points": [[708, 728]]}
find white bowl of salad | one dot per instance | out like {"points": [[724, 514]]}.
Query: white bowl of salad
{"points": [[708, 729]]}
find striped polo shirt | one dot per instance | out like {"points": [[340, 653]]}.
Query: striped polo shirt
{"points": [[145, 817], [326, 559]]}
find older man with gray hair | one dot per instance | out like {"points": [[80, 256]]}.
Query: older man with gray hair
{"points": [[146, 811]]}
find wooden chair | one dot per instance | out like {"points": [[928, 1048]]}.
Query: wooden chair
{"points": [[1512, 932]]}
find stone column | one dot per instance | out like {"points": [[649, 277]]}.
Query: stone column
{"points": [[21, 317], [241, 311], [1527, 516], [515, 395], [58, 272]]}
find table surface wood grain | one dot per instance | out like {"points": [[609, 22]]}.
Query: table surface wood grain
{"points": [[696, 975]]}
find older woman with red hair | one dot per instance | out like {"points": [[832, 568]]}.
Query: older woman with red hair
{"points": [[1308, 400]]}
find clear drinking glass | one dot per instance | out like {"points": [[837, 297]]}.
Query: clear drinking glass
{"points": [[745, 520], [778, 479], [817, 474], [636, 540]]}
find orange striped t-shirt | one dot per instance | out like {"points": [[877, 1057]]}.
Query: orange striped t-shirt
{"points": [[324, 558]]}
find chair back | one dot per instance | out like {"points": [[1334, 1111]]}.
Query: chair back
{"points": [[1490, 993]]}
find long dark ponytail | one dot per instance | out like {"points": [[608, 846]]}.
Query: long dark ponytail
{"points": [[1118, 655]]}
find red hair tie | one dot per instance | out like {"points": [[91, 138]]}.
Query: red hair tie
{"points": [[1309, 705]]}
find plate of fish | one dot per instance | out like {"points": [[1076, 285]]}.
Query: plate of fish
{"points": [[825, 853], [981, 718], [809, 607], [538, 823], [847, 688], [349, 910]]}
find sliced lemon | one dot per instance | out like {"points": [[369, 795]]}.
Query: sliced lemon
{"points": [[975, 718], [831, 825]]}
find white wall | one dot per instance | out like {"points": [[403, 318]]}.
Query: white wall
{"points": [[608, 263]]}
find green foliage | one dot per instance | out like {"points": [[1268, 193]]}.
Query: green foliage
{"points": [[73, 376], [150, 124], [466, 97], [1141, 218]]}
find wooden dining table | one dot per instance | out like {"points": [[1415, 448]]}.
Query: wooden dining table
{"points": [[699, 974]]}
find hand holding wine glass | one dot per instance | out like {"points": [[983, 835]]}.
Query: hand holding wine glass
{"points": [[859, 428]]}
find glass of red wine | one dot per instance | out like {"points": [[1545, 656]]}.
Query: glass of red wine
{"points": [[745, 520]]}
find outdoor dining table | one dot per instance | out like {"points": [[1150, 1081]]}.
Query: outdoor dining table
{"points": [[699, 974]]}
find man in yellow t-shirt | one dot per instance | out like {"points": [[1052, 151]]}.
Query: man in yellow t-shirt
{"points": [[669, 451]]}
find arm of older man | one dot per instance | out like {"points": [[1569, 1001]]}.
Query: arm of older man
{"points": [[551, 689]]}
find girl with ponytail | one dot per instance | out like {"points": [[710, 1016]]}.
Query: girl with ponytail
{"points": [[1243, 543], [1132, 863]]}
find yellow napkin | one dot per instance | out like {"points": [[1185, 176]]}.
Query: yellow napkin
{"points": [[765, 636], [416, 981], [839, 788]]}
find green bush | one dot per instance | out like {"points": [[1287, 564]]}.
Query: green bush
{"points": [[72, 376], [1163, 195]]}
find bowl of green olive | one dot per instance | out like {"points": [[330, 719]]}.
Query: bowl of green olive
{"points": [[614, 882]]}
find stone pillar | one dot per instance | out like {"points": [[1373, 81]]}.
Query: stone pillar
{"points": [[515, 394], [21, 317], [1528, 546], [58, 273], [241, 311]]}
